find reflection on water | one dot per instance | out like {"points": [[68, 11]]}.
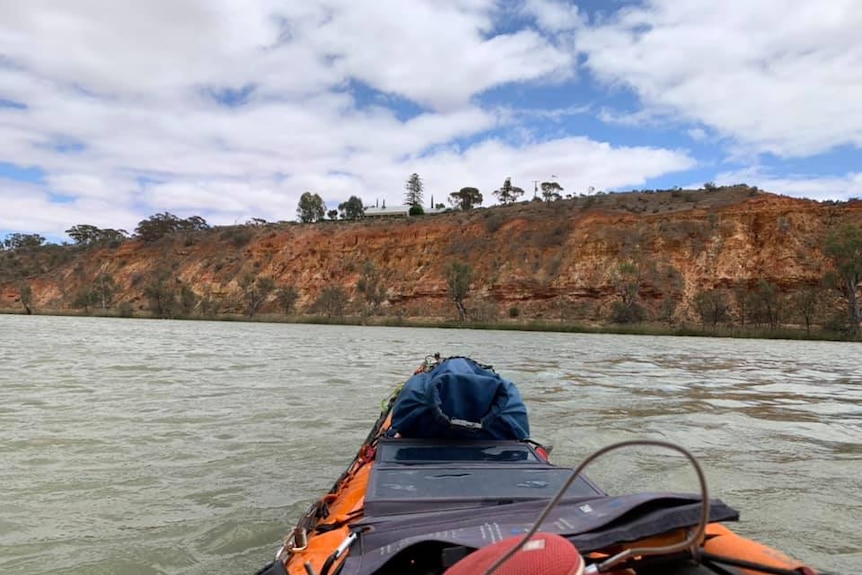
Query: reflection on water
{"points": [[188, 447]]}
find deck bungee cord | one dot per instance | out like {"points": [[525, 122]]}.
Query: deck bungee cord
{"points": [[690, 544]]}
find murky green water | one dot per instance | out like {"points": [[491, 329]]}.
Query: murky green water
{"points": [[158, 447]]}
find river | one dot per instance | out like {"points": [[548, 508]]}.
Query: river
{"points": [[137, 447]]}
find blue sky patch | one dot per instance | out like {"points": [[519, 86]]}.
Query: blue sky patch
{"points": [[365, 97], [62, 198], [12, 105], [837, 161], [232, 97], [30, 174], [64, 146]]}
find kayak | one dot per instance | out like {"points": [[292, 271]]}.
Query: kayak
{"points": [[448, 481]]}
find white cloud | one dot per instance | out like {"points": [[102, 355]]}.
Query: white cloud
{"points": [[433, 53], [641, 118], [31, 209], [821, 188], [92, 187], [577, 163], [553, 15], [697, 134], [780, 76], [133, 84]]}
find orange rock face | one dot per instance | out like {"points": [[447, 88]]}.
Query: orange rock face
{"points": [[570, 259]]}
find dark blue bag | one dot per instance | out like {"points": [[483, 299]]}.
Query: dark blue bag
{"points": [[459, 399]]}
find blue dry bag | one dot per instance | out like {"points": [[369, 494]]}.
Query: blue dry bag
{"points": [[459, 399]]}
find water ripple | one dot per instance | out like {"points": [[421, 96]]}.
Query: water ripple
{"points": [[160, 447]]}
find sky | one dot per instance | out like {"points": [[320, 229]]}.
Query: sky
{"points": [[112, 111]]}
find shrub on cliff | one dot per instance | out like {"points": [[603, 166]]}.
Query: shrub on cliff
{"points": [[627, 313], [286, 297]]}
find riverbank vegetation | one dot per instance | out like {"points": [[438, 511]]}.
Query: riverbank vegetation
{"points": [[640, 263]]}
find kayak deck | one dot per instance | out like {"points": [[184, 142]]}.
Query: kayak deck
{"points": [[422, 503]]}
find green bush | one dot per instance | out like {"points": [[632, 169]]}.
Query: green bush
{"points": [[237, 236], [493, 221], [625, 314]]}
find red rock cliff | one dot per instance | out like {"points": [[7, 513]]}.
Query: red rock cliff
{"points": [[545, 260]]}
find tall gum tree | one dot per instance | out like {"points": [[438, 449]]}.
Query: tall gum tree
{"points": [[458, 278], [844, 247]]}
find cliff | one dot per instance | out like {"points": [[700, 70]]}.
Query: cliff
{"points": [[569, 259]]}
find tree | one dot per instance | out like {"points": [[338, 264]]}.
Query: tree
{"points": [[84, 299], [101, 293], [159, 225], [331, 302], [466, 198], [208, 306], [310, 208], [352, 209], [333, 214], [26, 294], [286, 297], [508, 193], [83, 234], [23, 241], [161, 295], [765, 305], [110, 235], [168, 298], [671, 283], [413, 196], [104, 290], [551, 191], [187, 301], [458, 278], [711, 306], [255, 290], [844, 248], [807, 304], [627, 280], [156, 226], [371, 286], [742, 296], [192, 224]]}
